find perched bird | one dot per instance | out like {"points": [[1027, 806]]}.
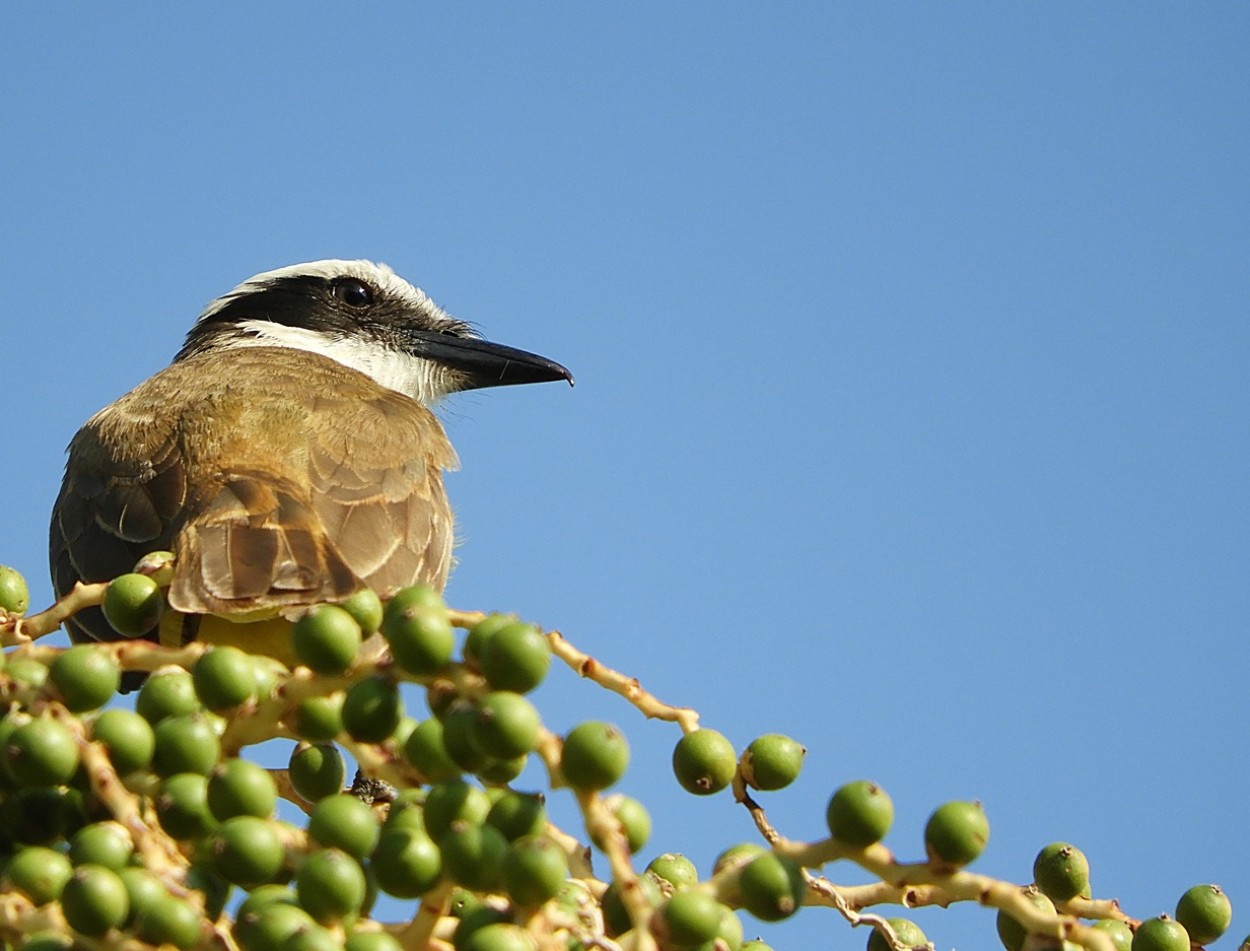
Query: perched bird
{"points": [[287, 456]]}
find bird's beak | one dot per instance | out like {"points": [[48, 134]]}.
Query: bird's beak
{"points": [[488, 364]]}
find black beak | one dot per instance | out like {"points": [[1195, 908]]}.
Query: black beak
{"points": [[488, 364]]}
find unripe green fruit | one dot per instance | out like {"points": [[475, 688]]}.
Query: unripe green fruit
{"points": [[459, 721], [616, 920], [319, 719], [27, 670], [224, 678], [772, 887], [366, 608], [506, 725], [454, 802], [517, 814], [406, 863], [1161, 934], [371, 709], [406, 811], [247, 851], [258, 901], [185, 744], [331, 885], [317, 770], [214, 889], [128, 739], [371, 941], [239, 787], [595, 755], [1061, 871], [94, 900], [46, 941], [908, 933], [674, 868], [133, 604], [85, 676], [499, 937], [344, 822], [326, 639], [500, 772], [704, 762], [473, 856], [418, 632], [39, 873], [182, 806], [14, 595], [956, 833], [755, 945], [479, 634], [634, 819], [41, 752], [1205, 912], [268, 928], [424, 749], [860, 814], [772, 761], [690, 918], [516, 657], [1120, 934], [534, 868], [170, 921], [143, 889], [1010, 932], [167, 693], [107, 844]]}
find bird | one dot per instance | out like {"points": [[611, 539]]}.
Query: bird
{"points": [[288, 456]]}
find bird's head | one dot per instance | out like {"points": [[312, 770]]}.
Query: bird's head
{"points": [[366, 317]]}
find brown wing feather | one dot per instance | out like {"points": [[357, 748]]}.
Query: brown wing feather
{"points": [[278, 477]]}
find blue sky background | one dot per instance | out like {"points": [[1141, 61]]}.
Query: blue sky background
{"points": [[911, 343]]}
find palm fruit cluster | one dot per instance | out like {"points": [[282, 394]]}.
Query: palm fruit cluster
{"points": [[130, 825]]}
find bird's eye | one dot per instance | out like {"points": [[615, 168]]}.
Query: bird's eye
{"points": [[353, 293]]}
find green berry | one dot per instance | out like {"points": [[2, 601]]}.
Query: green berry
{"points": [[772, 887], [704, 762], [418, 632], [1205, 912], [1119, 932], [319, 719], [41, 752], [366, 608], [506, 725], [956, 833], [85, 676], [371, 941], [459, 722], [214, 889], [499, 937], [860, 814], [14, 595], [473, 856], [424, 749], [674, 868], [46, 941], [772, 761], [239, 787], [908, 933], [331, 885], [479, 634], [317, 770], [167, 693], [406, 811], [634, 819], [454, 802], [515, 657], [406, 863], [39, 873], [1061, 871], [28, 671], [185, 744], [270, 927], [595, 755], [1161, 934], [259, 901], [169, 921], [224, 678], [102, 843], [616, 920], [182, 806], [133, 604], [691, 918], [247, 851], [372, 709], [1010, 932], [94, 901], [344, 822], [128, 739], [326, 639], [500, 772], [534, 869], [518, 814]]}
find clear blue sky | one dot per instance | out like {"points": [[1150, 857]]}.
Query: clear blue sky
{"points": [[911, 344]]}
